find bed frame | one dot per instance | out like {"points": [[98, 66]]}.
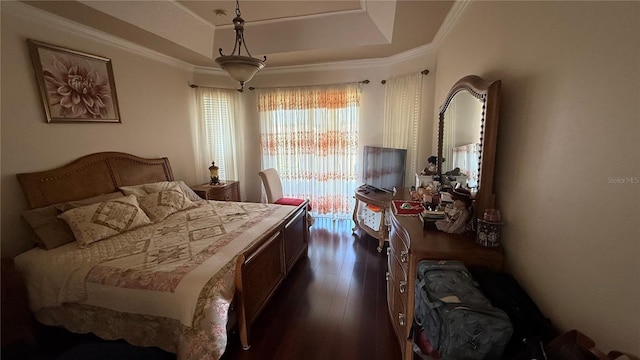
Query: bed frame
{"points": [[259, 270]]}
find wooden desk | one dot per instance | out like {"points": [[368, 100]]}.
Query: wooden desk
{"points": [[409, 243]]}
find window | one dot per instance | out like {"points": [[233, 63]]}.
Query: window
{"points": [[218, 109], [310, 136]]}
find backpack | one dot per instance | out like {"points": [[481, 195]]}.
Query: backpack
{"points": [[457, 319]]}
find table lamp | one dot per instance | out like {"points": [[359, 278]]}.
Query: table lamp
{"points": [[213, 170]]}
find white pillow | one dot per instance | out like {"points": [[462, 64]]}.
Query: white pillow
{"points": [[144, 189], [159, 205], [99, 221]]}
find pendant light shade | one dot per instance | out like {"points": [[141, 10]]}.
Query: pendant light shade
{"points": [[241, 68]]}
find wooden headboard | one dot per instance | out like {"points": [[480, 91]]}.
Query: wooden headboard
{"points": [[91, 175]]}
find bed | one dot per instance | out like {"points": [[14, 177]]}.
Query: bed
{"points": [[177, 281]]}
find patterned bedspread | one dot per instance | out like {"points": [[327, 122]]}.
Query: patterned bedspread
{"points": [[177, 273]]}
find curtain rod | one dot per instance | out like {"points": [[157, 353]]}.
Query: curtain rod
{"points": [[423, 72], [194, 86], [290, 87]]}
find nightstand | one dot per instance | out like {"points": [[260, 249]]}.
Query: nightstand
{"points": [[17, 321], [225, 191]]}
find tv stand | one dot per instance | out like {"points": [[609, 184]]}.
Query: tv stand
{"points": [[370, 195]]}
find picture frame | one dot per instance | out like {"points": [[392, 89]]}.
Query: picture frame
{"points": [[74, 86]]}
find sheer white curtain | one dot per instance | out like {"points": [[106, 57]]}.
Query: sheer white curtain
{"points": [[310, 136], [467, 158], [402, 104], [216, 132], [449, 139]]}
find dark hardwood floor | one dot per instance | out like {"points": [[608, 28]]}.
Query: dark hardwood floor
{"points": [[332, 306]]}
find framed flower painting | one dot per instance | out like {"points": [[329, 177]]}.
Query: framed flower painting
{"points": [[75, 86]]}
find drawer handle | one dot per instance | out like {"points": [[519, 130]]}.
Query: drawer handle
{"points": [[386, 276], [401, 317], [403, 287], [404, 255]]}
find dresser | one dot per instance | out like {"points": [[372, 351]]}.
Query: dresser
{"points": [[225, 191], [409, 243]]}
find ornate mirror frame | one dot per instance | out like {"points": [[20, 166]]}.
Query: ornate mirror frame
{"points": [[488, 92]]}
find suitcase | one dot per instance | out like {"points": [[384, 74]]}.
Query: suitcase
{"points": [[456, 318]]}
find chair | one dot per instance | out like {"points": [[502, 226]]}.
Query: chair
{"points": [[273, 188]]}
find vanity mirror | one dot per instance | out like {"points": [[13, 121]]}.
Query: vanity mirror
{"points": [[467, 135]]}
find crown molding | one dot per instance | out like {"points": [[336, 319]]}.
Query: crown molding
{"points": [[457, 9], [293, 18], [29, 12], [338, 65]]}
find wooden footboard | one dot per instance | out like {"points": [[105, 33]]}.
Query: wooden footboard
{"points": [[261, 268]]}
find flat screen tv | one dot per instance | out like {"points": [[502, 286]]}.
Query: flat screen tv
{"points": [[383, 168]]}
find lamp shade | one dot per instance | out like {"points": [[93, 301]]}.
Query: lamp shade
{"points": [[241, 68]]}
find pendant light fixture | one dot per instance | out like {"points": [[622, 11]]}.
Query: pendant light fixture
{"points": [[241, 68]]}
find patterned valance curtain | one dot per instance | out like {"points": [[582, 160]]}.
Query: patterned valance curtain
{"points": [[218, 111], [402, 106], [310, 136]]}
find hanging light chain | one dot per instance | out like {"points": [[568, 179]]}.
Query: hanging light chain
{"points": [[241, 68]]}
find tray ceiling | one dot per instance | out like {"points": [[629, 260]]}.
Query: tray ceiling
{"points": [[288, 32]]}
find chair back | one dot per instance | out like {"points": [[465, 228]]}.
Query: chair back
{"points": [[272, 185]]}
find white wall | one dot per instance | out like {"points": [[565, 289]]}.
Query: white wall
{"points": [[568, 162], [155, 108]]}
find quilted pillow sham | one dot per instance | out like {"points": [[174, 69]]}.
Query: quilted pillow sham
{"points": [[159, 205], [99, 221], [145, 189], [51, 231], [89, 201]]}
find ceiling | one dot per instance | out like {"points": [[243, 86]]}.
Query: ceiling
{"points": [[288, 33]]}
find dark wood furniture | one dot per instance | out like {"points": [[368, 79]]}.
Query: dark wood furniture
{"points": [[487, 94], [259, 270], [364, 196], [409, 243], [225, 191], [17, 322]]}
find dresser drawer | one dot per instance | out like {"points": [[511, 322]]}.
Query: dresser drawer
{"points": [[400, 234], [397, 270], [228, 191], [397, 243], [229, 194], [399, 317]]}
